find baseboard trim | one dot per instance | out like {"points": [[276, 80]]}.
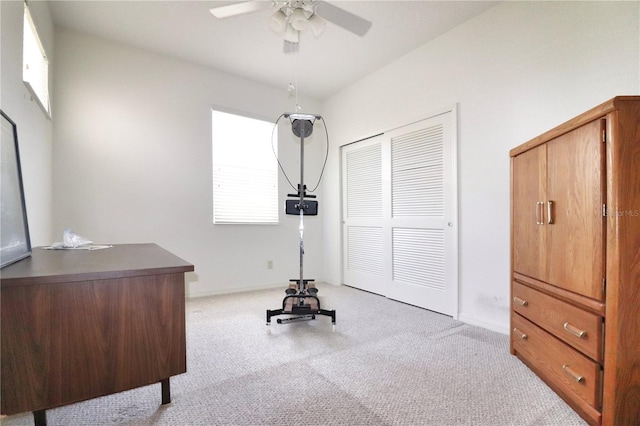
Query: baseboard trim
{"points": [[231, 290], [489, 325]]}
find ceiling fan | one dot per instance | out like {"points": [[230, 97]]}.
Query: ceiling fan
{"points": [[292, 17]]}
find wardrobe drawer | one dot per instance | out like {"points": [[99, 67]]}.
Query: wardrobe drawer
{"points": [[579, 328], [566, 367]]}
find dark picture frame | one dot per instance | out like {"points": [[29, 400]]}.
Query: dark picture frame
{"points": [[15, 243]]}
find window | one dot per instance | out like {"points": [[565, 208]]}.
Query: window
{"points": [[245, 170], [35, 65]]}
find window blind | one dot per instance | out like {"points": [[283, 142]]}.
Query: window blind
{"points": [[245, 171]]}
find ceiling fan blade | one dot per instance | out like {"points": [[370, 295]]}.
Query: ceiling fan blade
{"points": [[342, 18], [241, 8]]}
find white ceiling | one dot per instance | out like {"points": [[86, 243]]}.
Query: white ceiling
{"points": [[245, 46]]}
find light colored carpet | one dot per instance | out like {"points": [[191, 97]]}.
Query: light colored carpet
{"points": [[387, 363]]}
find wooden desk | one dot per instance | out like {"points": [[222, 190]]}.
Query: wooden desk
{"points": [[79, 324]]}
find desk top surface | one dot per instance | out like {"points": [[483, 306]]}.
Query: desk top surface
{"points": [[119, 261]]}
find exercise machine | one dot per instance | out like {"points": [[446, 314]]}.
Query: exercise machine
{"points": [[301, 302]]}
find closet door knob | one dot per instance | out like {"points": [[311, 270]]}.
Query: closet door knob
{"points": [[549, 211]]}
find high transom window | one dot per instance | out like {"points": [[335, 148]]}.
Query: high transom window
{"points": [[35, 65]]}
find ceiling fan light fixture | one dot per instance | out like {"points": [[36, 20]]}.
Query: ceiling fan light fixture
{"points": [[278, 22], [317, 24], [291, 34], [298, 19]]}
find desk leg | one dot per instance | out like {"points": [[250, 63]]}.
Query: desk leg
{"points": [[40, 418], [166, 391]]}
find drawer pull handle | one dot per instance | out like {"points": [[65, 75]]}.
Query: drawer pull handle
{"points": [[520, 301], [571, 374], [575, 331], [522, 335]]}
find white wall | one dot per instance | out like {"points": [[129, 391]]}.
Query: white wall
{"points": [[35, 135], [131, 137], [132, 162], [515, 71]]}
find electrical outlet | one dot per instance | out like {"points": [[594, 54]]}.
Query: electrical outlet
{"points": [[269, 264]]}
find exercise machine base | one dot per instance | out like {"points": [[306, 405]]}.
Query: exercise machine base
{"points": [[302, 305]]}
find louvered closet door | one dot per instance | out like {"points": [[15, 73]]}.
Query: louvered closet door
{"points": [[422, 221], [408, 240], [365, 264]]}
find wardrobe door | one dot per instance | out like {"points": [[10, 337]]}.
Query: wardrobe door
{"points": [[528, 214], [574, 209]]}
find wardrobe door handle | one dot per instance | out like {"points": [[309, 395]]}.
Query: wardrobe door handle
{"points": [[573, 330], [578, 378], [519, 301], [549, 210], [539, 213]]}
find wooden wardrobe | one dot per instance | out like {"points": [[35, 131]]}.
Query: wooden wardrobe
{"points": [[575, 260]]}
